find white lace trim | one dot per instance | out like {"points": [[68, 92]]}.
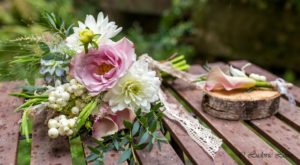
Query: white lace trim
{"points": [[201, 135], [168, 68]]}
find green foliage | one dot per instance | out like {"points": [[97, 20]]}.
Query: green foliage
{"points": [[85, 113], [22, 59], [57, 25], [25, 125], [140, 134], [20, 19], [168, 39]]}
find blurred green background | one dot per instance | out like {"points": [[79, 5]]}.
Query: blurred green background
{"points": [[265, 32]]}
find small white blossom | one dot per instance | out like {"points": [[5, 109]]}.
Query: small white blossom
{"points": [[102, 28]]}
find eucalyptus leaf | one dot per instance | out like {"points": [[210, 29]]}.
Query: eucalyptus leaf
{"points": [[136, 127], [125, 155], [91, 157], [144, 138]]}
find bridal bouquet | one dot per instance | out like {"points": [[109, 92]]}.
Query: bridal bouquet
{"points": [[95, 86]]}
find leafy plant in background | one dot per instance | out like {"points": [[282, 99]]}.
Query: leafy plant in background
{"points": [[20, 19], [172, 28]]}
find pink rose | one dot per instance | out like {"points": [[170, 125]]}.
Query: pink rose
{"points": [[99, 69], [108, 123], [218, 80]]}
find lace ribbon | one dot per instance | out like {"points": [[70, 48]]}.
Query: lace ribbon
{"points": [[201, 135], [282, 88], [168, 68]]}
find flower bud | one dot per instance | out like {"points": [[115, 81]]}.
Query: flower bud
{"points": [[65, 96], [66, 129], [86, 36], [64, 122], [75, 110], [73, 82], [59, 101], [72, 123], [258, 77], [61, 131], [51, 99], [69, 132], [52, 123], [53, 133]]}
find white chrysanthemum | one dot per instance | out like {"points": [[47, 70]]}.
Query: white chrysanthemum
{"points": [[102, 28], [138, 88]]}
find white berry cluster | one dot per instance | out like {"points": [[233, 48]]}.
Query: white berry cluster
{"points": [[60, 95], [79, 104], [62, 126], [58, 98], [74, 87]]}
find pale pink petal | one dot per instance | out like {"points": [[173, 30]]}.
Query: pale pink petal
{"points": [[85, 67], [217, 80], [125, 114], [104, 127]]}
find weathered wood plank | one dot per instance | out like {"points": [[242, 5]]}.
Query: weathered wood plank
{"points": [[111, 158], [9, 123], [270, 76], [189, 146], [286, 138], [287, 114], [283, 136], [45, 150], [291, 116], [166, 155], [241, 139]]}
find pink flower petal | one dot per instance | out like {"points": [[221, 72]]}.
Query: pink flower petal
{"points": [[85, 67], [104, 127], [125, 114], [217, 80]]}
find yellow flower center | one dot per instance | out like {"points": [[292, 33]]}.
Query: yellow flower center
{"points": [[104, 68], [86, 36], [132, 87]]}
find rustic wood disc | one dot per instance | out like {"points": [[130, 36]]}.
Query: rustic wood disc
{"points": [[241, 104]]}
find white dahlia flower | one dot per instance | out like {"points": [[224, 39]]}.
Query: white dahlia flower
{"points": [[138, 88], [102, 29]]}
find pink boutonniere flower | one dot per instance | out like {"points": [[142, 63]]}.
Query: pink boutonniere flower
{"points": [[218, 80]]}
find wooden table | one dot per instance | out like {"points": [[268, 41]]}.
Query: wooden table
{"points": [[275, 140]]}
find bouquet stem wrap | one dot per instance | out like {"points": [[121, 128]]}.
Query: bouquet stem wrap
{"points": [[200, 134]]}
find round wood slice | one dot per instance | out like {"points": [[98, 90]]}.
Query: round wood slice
{"points": [[241, 104]]}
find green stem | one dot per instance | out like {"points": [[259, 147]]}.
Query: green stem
{"points": [[180, 63], [263, 84], [134, 156], [179, 58]]}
